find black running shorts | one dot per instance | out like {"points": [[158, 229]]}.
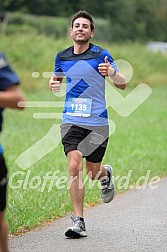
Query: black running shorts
{"points": [[3, 183], [91, 141]]}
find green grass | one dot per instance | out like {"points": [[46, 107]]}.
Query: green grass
{"points": [[138, 144]]}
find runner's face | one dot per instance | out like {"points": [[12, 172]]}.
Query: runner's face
{"points": [[81, 31]]}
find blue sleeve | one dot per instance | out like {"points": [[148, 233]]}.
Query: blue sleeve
{"points": [[57, 70], [7, 76], [110, 59]]}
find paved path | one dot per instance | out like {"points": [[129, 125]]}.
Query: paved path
{"points": [[135, 221]]}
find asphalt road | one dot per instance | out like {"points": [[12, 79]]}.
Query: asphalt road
{"points": [[134, 221]]}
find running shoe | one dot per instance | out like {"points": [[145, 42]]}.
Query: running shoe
{"points": [[77, 229], [107, 187]]}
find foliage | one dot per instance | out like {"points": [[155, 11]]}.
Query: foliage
{"points": [[129, 20], [50, 26], [138, 20]]}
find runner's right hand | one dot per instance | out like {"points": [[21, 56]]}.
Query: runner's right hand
{"points": [[54, 84]]}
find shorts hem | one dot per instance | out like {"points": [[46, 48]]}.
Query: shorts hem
{"points": [[93, 161], [70, 148]]}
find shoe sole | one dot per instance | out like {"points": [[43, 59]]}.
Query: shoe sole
{"points": [[72, 234], [109, 199]]}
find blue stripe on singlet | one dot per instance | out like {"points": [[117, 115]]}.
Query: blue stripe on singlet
{"points": [[1, 149]]}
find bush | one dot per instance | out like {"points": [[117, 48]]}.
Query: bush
{"points": [[50, 26], [57, 27], [103, 30]]}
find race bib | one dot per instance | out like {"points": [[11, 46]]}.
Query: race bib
{"points": [[79, 107]]}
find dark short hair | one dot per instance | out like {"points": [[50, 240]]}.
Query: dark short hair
{"points": [[83, 14]]}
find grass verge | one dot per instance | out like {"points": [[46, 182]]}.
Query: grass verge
{"points": [[138, 145]]}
